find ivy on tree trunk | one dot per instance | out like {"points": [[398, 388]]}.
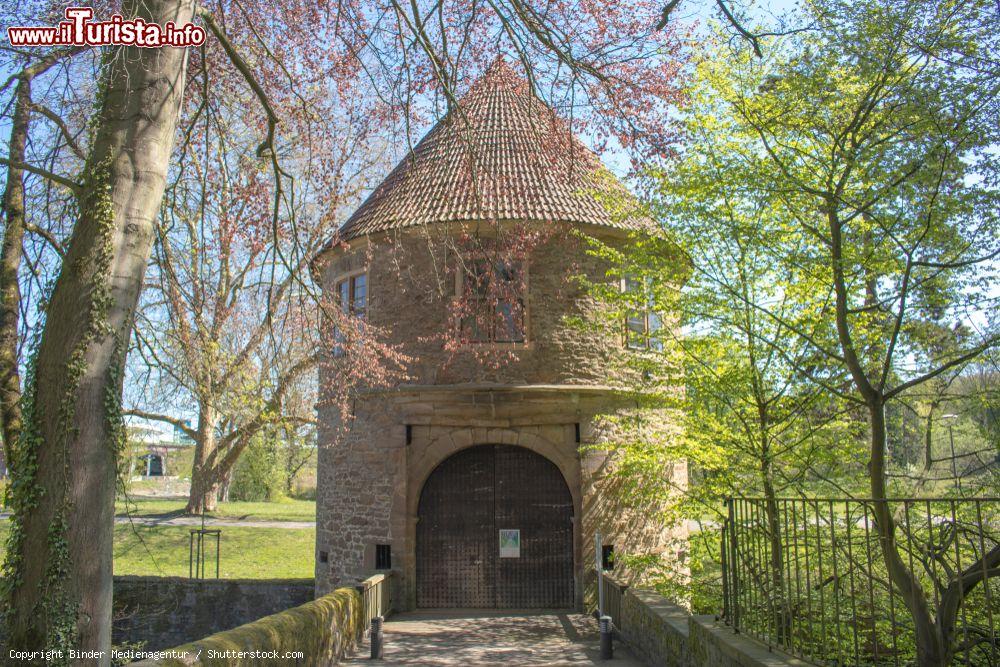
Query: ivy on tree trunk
{"points": [[58, 573]]}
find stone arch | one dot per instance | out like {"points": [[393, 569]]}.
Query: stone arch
{"points": [[446, 442], [454, 440], [153, 465], [466, 501]]}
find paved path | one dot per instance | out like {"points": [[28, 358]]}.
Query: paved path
{"points": [[168, 520], [493, 639], [196, 521]]}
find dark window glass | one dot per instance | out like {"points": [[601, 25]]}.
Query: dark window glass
{"points": [[607, 557], [155, 466], [383, 557], [655, 324], [352, 297], [359, 294], [344, 294], [498, 309], [642, 326]]}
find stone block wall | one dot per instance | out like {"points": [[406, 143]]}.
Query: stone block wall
{"points": [[413, 277], [160, 612], [654, 628], [537, 395], [317, 633], [712, 643], [628, 509], [666, 635], [359, 482]]}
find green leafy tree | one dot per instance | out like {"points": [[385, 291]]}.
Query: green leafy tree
{"points": [[876, 129], [756, 389], [759, 409]]}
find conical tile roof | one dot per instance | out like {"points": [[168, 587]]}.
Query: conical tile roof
{"points": [[501, 154]]}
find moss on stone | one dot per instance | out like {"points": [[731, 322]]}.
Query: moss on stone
{"points": [[323, 630]]}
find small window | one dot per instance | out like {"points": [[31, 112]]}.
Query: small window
{"points": [[352, 295], [496, 308], [383, 557], [643, 325], [352, 299], [607, 557], [359, 294]]}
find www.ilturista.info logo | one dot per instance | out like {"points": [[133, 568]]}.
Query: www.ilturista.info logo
{"points": [[79, 30]]}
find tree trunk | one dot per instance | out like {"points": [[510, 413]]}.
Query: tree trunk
{"points": [[204, 487], [10, 265], [214, 460], [73, 432], [779, 602], [227, 483], [11, 256], [932, 649]]}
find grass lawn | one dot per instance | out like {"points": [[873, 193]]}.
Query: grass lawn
{"points": [[247, 553], [285, 510]]}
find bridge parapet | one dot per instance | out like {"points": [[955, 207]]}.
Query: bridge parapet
{"points": [[665, 634], [320, 632]]}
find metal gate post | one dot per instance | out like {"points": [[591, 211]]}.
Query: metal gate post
{"points": [[734, 566], [599, 564]]}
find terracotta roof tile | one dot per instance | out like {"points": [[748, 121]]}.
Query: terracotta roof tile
{"points": [[503, 154]]}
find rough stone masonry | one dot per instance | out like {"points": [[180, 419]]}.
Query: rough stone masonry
{"points": [[552, 393]]}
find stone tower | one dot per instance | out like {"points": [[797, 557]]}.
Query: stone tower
{"points": [[480, 485]]}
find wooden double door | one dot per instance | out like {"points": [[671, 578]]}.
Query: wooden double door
{"points": [[495, 530]]}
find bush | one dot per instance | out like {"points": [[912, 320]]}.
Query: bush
{"points": [[260, 474]]}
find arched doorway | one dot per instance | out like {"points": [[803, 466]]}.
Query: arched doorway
{"points": [[152, 465], [495, 530]]}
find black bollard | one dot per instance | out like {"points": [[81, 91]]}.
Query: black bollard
{"points": [[607, 649], [376, 638]]}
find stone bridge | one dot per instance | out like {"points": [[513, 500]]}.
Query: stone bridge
{"points": [[649, 630], [336, 629]]}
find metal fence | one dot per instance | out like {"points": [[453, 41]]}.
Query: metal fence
{"points": [[808, 576]]}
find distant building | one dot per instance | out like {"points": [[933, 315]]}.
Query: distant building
{"points": [[180, 436], [154, 446]]}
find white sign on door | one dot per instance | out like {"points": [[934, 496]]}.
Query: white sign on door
{"points": [[510, 543]]}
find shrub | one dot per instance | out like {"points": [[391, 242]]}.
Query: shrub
{"points": [[260, 473]]}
